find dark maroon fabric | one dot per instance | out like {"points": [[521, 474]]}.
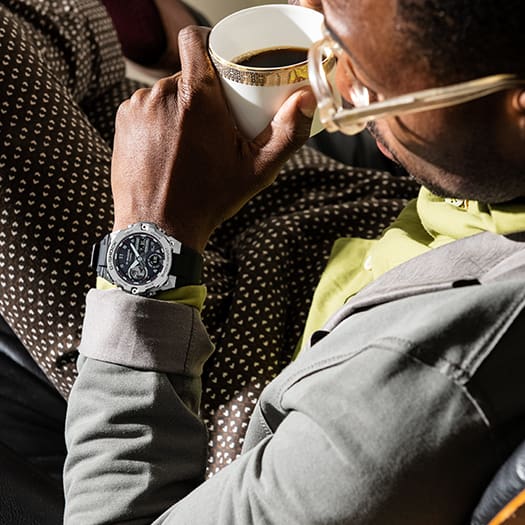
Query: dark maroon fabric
{"points": [[139, 28]]}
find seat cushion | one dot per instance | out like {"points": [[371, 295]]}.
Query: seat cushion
{"points": [[27, 496], [507, 484]]}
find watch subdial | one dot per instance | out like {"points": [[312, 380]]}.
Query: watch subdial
{"points": [[155, 261], [137, 273]]}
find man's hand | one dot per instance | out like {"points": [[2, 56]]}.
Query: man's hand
{"points": [[179, 161]]}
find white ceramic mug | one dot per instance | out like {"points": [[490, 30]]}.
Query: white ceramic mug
{"points": [[255, 94]]}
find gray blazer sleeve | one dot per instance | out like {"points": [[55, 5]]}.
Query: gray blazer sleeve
{"points": [[136, 443], [344, 451]]}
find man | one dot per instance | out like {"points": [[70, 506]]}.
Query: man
{"points": [[402, 407]]}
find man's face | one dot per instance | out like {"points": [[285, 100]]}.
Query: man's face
{"points": [[436, 147]]}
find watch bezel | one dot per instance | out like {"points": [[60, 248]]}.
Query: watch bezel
{"points": [[163, 278]]}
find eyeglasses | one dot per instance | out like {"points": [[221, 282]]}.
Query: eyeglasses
{"points": [[353, 120]]}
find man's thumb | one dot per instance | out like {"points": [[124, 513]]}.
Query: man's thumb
{"points": [[290, 127]]}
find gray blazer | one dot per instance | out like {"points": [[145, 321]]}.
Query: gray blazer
{"points": [[399, 413]]}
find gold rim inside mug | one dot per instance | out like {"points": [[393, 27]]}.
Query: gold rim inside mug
{"points": [[265, 76]]}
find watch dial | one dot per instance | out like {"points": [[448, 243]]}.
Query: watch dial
{"points": [[139, 259]]}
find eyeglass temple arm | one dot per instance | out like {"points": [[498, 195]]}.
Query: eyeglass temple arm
{"points": [[334, 116], [430, 99]]}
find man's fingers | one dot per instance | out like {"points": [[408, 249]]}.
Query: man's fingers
{"points": [[193, 49]]}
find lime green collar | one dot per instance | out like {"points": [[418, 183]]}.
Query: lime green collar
{"points": [[451, 219]]}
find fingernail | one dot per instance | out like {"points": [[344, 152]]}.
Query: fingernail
{"points": [[307, 104]]}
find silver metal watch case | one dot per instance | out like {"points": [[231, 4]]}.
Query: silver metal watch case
{"points": [[163, 280]]}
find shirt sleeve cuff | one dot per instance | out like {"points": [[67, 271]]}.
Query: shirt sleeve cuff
{"points": [[144, 333]]}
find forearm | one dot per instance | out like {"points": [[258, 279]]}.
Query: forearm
{"points": [[135, 447], [136, 443]]}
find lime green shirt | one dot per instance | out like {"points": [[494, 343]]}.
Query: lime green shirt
{"points": [[427, 222]]}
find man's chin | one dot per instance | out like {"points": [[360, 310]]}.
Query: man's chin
{"points": [[437, 189]]}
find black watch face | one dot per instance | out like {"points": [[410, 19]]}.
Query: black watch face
{"points": [[139, 259]]}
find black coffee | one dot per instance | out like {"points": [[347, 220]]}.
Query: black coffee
{"points": [[273, 57]]}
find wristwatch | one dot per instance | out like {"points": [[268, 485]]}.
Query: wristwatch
{"points": [[143, 260]]}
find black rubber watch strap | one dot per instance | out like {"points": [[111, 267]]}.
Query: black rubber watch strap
{"points": [[99, 258], [187, 267]]}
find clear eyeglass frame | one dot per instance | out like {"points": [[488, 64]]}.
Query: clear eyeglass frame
{"points": [[351, 121]]}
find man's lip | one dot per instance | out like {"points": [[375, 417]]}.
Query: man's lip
{"points": [[384, 150]]}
